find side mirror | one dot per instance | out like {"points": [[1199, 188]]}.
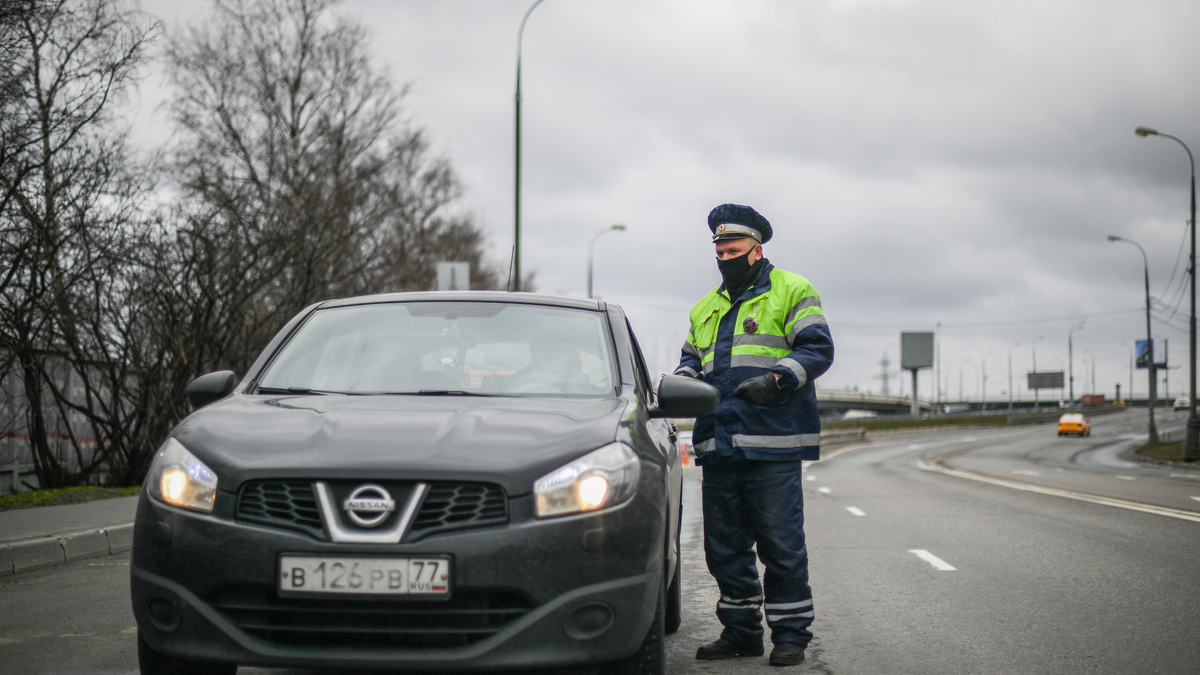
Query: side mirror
{"points": [[211, 387], [680, 396]]}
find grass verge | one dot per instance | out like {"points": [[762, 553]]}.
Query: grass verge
{"points": [[920, 423], [1170, 452], [71, 495]]}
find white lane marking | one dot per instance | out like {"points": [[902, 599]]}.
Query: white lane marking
{"points": [[1185, 475], [810, 478], [824, 490], [1196, 498], [915, 446], [1025, 472], [1126, 477], [1068, 494], [859, 512], [938, 563]]}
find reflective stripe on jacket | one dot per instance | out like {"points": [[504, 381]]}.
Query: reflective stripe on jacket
{"points": [[776, 325]]}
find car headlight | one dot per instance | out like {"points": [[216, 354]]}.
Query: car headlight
{"points": [[179, 479], [598, 479]]}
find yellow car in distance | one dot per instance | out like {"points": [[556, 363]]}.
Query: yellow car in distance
{"points": [[1074, 423]]}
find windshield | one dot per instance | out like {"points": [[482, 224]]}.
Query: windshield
{"points": [[446, 348]]}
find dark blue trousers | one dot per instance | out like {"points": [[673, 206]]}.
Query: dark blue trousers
{"points": [[750, 504]]}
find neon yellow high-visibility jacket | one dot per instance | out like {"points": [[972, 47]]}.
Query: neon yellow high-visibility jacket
{"points": [[775, 325]]}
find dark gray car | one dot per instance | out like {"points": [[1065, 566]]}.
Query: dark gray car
{"points": [[430, 481]]}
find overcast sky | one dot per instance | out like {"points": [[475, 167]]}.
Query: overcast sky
{"points": [[920, 162]]}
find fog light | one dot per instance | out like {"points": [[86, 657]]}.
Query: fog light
{"points": [[163, 613], [588, 621]]}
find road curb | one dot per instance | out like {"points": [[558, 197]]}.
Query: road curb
{"points": [[35, 554]]}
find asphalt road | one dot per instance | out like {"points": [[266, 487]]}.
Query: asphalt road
{"points": [[1041, 582]]}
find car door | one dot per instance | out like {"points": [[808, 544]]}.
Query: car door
{"points": [[662, 433]]}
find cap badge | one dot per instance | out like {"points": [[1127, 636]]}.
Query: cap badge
{"points": [[750, 325]]}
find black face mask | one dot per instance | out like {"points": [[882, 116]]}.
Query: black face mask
{"points": [[737, 272]]}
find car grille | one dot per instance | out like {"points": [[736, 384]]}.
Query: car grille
{"points": [[458, 506], [287, 504], [466, 618], [292, 504]]}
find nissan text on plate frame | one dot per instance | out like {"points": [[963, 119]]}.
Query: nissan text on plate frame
{"points": [[441, 482]]}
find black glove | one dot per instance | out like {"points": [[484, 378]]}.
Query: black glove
{"points": [[758, 390]]}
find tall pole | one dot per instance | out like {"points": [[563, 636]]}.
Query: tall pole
{"points": [[914, 407], [517, 187], [1153, 430], [1033, 346], [938, 372], [983, 378], [1071, 364], [1010, 380], [592, 245], [1191, 452]]}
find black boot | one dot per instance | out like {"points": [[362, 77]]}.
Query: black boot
{"points": [[787, 654], [724, 649]]}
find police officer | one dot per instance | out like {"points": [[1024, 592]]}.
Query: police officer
{"points": [[761, 339]]}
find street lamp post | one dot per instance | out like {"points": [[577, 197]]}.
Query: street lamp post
{"points": [[1089, 365], [517, 174], [1149, 338], [1033, 347], [938, 371], [610, 228], [1126, 344], [1190, 450], [1071, 363], [1010, 381], [965, 361], [983, 378]]}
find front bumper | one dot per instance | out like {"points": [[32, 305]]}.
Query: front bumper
{"points": [[533, 593]]}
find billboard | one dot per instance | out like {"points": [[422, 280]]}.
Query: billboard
{"points": [[1145, 350], [916, 350], [1047, 380]]}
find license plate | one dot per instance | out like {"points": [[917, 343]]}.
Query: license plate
{"points": [[375, 576]]}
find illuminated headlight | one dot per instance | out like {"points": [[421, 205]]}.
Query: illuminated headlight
{"points": [[179, 479], [598, 479]]}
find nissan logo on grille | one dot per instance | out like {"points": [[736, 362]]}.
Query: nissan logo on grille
{"points": [[369, 505]]}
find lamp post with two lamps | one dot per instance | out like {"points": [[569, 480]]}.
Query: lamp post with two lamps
{"points": [[592, 245], [1191, 451]]}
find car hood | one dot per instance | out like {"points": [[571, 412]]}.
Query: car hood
{"points": [[506, 440]]}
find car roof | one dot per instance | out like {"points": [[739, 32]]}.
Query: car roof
{"points": [[1071, 417], [471, 296]]}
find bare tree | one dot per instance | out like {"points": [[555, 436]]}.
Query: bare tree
{"points": [[67, 215], [298, 171]]}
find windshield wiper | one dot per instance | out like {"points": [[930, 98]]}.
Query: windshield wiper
{"points": [[444, 392], [292, 390]]}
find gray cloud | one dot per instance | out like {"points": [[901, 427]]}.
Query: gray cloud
{"points": [[922, 161]]}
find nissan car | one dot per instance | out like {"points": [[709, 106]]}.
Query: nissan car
{"points": [[461, 481]]}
